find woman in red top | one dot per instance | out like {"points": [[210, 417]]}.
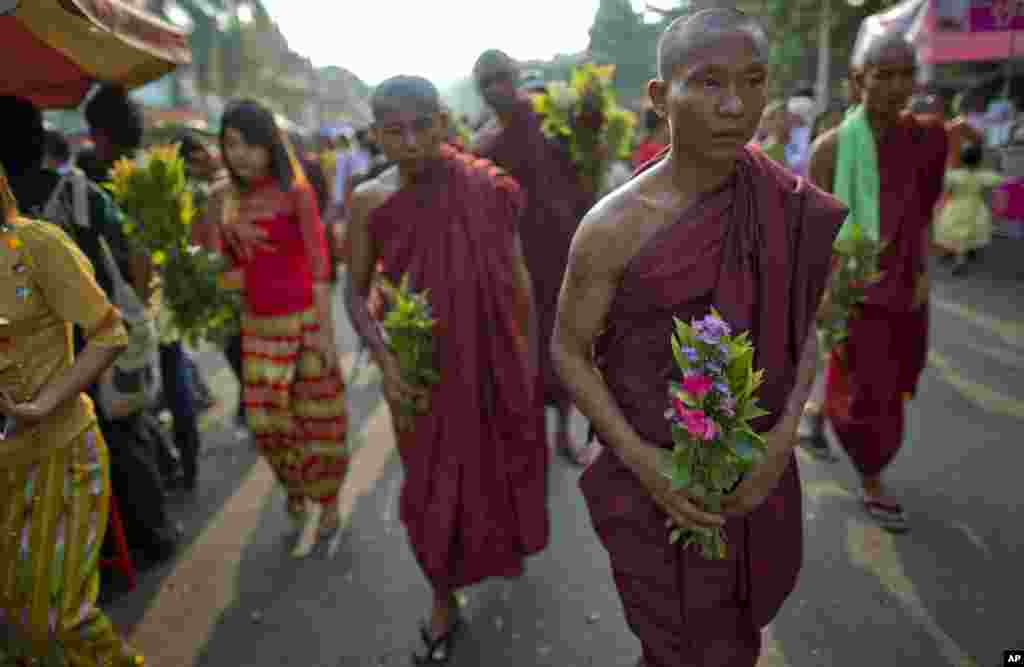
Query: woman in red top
{"points": [[294, 394]]}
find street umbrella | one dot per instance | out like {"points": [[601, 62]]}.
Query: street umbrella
{"points": [[60, 48]]}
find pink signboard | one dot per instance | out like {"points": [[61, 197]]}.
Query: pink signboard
{"points": [[993, 15]]}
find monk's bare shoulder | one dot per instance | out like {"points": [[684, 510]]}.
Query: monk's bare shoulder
{"points": [[821, 168], [374, 192], [607, 237]]}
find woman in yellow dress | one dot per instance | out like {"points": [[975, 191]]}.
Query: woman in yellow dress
{"points": [[54, 470]]}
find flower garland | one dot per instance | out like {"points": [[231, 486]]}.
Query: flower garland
{"points": [[582, 116]]}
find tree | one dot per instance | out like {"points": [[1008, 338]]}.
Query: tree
{"points": [[620, 36]]}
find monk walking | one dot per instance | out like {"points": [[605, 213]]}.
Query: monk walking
{"points": [[474, 496], [555, 203], [711, 223], [888, 166]]}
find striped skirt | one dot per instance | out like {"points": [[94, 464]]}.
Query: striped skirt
{"points": [[53, 517], [295, 410]]}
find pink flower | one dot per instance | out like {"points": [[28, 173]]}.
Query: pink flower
{"points": [[680, 409], [698, 424], [696, 385]]}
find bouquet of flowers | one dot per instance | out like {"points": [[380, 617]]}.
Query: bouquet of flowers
{"points": [[710, 413], [409, 332], [155, 194], [855, 269], [582, 116]]}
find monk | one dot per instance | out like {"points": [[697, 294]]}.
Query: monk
{"points": [[711, 223], [555, 203], [473, 500], [867, 388]]}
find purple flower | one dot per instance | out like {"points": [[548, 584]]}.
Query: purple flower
{"points": [[711, 329], [713, 368], [691, 353], [723, 389]]}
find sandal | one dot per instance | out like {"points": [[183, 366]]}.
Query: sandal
{"points": [[888, 515], [439, 649]]}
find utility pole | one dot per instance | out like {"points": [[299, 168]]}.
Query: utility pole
{"points": [[823, 87]]}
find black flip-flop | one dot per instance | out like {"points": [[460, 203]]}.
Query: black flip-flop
{"points": [[439, 650]]}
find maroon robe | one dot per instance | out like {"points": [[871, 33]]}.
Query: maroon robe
{"points": [[888, 343], [474, 498], [555, 204], [758, 249]]}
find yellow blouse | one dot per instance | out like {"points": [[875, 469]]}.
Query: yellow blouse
{"points": [[46, 285]]}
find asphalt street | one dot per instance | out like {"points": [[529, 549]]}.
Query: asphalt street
{"points": [[949, 592]]}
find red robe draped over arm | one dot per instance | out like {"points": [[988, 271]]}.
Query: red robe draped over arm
{"points": [[887, 347], [474, 499], [555, 204], [758, 249]]}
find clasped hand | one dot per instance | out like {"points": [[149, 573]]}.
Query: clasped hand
{"points": [[687, 512]]}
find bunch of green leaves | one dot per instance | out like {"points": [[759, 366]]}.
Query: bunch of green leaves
{"points": [[154, 192], [709, 470], [158, 198], [200, 308], [856, 262], [409, 330]]}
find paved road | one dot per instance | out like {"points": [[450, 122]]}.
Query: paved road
{"points": [[947, 593]]}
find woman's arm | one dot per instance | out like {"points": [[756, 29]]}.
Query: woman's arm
{"points": [[68, 285]]}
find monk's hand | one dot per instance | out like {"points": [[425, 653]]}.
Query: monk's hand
{"points": [[244, 238], [644, 459], [397, 391], [762, 479], [921, 289]]}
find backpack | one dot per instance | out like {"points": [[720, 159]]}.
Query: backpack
{"points": [[132, 383]]}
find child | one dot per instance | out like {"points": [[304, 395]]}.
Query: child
{"points": [[965, 223]]}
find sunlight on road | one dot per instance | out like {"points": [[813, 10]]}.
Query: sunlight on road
{"points": [[1011, 332], [873, 550], [984, 397]]}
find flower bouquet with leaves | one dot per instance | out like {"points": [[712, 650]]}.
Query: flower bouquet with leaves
{"points": [[409, 334], [855, 269], [710, 413], [154, 192], [582, 116]]}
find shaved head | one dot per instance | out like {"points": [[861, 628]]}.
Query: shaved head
{"points": [[494, 60], [400, 93], [690, 33], [882, 50]]}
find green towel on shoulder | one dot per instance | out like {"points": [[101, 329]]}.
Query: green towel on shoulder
{"points": [[856, 181]]}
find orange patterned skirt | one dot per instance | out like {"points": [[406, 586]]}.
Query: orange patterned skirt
{"points": [[294, 408]]}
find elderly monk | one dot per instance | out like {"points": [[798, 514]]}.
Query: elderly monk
{"points": [[555, 203], [888, 166], [713, 223], [474, 496]]}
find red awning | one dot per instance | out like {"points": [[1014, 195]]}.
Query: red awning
{"points": [[64, 46]]}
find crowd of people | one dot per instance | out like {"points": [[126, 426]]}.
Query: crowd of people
{"points": [[545, 294]]}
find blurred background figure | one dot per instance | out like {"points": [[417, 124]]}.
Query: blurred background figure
{"points": [[656, 138], [802, 107], [56, 152]]}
